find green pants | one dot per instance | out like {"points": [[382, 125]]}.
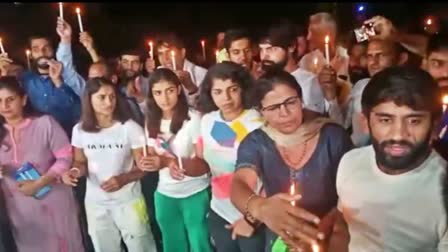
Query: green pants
{"points": [[183, 222]]}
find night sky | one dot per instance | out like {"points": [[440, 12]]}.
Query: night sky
{"points": [[117, 26]]}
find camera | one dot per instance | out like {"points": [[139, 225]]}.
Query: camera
{"points": [[364, 32]]}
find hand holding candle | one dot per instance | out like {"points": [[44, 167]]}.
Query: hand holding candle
{"points": [[78, 13]]}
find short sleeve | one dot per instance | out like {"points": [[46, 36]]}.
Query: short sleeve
{"points": [[339, 184], [249, 153], [77, 137], [136, 134], [194, 126]]}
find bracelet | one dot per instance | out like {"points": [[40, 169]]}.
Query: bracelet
{"points": [[251, 197], [248, 217]]}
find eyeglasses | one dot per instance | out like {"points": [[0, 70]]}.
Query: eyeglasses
{"points": [[290, 104]]}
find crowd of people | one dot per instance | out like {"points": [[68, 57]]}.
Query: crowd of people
{"points": [[292, 142]]}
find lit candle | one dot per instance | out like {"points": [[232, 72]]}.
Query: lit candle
{"points": [[327, 49], [61, 11], [78, 12], [217, 56], [203, 49], [151, 50], [173, 59], [315, 248], [28, 52], [315, 60], [429, 21], [2, 49], [444, 102]]}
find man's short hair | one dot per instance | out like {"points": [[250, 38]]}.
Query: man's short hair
{"points": [[282, 35], [234, 35], [437, 42], [169, 39], [405, 86], [133, 52], [38, 36]]}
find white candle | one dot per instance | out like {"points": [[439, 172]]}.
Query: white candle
{"points": [[151, 50], [145, 148], [179, 160], [292, 192], [315, 64], [203, 49], [173, 60], [78, 13], [2, 49], [28, 52], [327, 49], [61, 11]]}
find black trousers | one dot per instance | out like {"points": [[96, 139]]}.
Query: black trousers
{"points": [[222, 237]]}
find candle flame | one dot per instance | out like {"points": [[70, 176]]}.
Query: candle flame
{"points": [[202, 42], [28, 52], [172, 53], [445, 100], [327, 39], [78, 10], [315, 248], [150, 43], [315, 61], [429, 21]]}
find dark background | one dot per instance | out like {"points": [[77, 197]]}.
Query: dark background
{"points": [[118, 26]]}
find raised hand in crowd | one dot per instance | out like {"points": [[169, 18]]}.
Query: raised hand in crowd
{"points": [[5, 64], [328, 82], [186, 80], [64, 30], [87, 41], [150, 65]]}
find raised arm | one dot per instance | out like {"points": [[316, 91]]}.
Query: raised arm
{"points": [[64, 54], [87, 41]]}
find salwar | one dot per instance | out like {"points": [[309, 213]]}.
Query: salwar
{"points": [[183, 222], [107, 225]]}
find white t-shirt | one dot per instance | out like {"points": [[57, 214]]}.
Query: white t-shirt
{"points": [[180, 144], [359, 137], [109, 153], [219, 140], [313, 98], [399, 213]]}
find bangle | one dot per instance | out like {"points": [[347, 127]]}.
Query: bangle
{"points": [[251, 197], [248, 217]]}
